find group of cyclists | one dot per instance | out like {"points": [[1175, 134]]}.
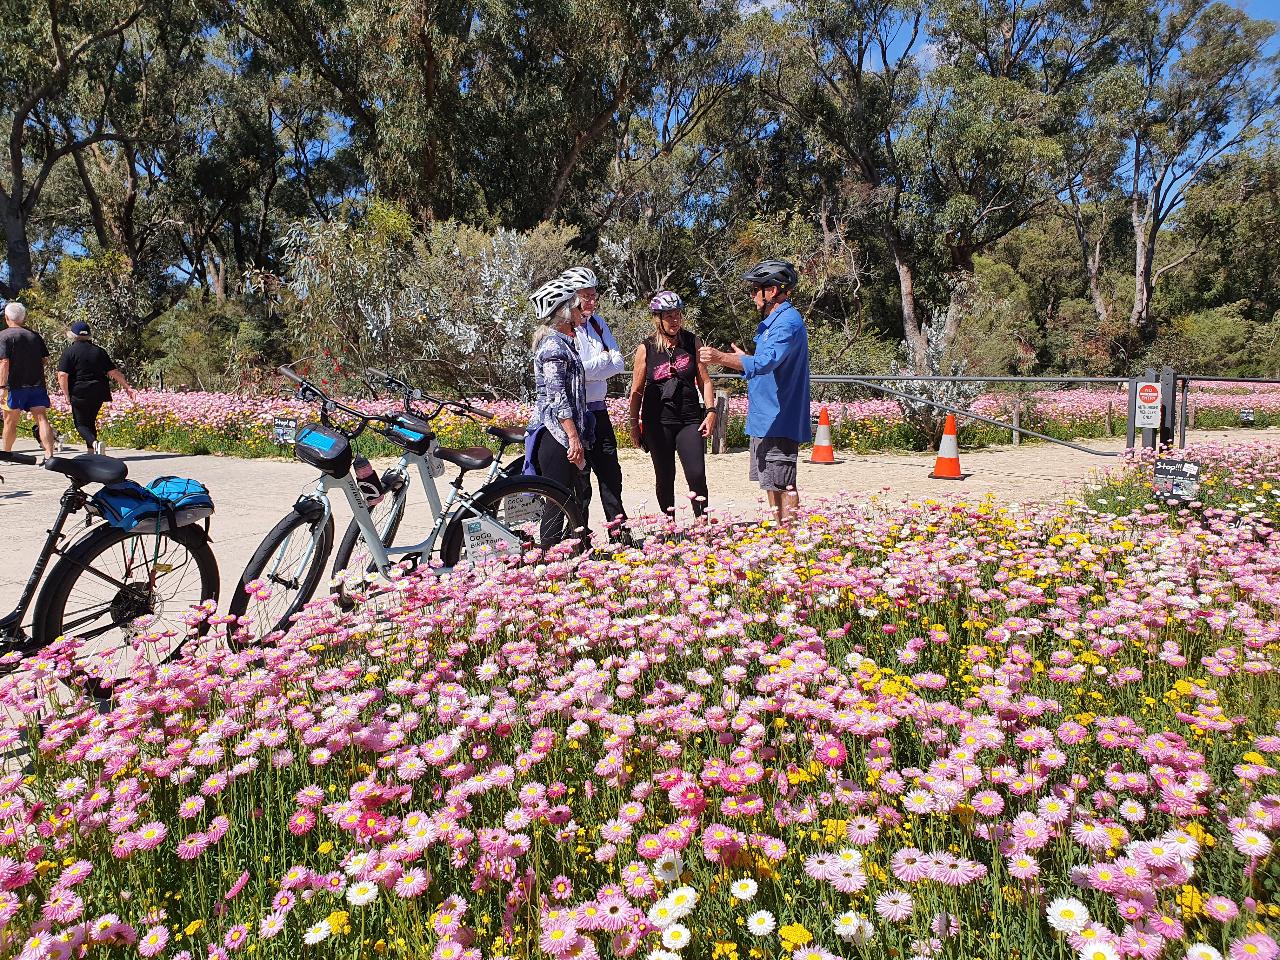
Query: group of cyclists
{"points": [[671, 407]]}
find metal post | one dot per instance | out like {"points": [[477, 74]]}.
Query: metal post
{"points": [[1168, 405], [1111, 424], [1017, 422], [1182, 420], [722, 421], [1130, 433], [1148, 433]]}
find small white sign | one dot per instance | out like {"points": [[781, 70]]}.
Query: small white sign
{"points": [[521, 510], [484, 540], [1146, 414]]}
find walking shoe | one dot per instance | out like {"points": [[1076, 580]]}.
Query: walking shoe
{"points": [[99, 447]]}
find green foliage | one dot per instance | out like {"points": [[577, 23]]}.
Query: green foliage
{"points": [[1063, 187]]}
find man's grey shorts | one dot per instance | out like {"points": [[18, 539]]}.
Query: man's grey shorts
{"points": [[773, 462]]}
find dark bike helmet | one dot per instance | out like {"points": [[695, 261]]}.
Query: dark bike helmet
{"points": [[772, 273]]}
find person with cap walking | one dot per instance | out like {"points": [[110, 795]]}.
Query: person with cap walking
{"points": [[777, 376], [22, 355], [601, 359], [85, 372]]}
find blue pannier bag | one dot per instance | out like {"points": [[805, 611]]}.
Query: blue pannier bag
{"points": [[164, 503], [126, 504], [182, 493]]}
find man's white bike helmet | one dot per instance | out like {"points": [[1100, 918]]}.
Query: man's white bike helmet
{"points": [[582, 278], [552, 295]]}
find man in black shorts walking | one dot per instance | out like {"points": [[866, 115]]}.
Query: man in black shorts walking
{"points": [[22, 354], [84, 374], [777, 377]]}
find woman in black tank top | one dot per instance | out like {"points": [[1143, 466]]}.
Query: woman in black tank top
{"points": [[672, 409]]}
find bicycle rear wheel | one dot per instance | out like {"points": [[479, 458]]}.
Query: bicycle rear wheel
{"points": [[284, 571], [352, 556], [537, 514], [114, 586]]}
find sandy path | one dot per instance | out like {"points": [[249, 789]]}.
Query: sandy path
{"points": [[251, 495]]}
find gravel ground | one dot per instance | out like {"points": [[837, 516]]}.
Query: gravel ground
{"points": [[251, 495]]}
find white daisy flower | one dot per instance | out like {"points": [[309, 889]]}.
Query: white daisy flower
{"points": [[661, 915], [676, 936], [744, 889], [362, 893], [668, 867], [1067, 915], [316, 933], [1099, 951], [682, 900], [761, 923], [1202, 951]]}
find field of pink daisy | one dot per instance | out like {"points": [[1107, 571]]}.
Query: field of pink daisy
{"points": [[920, 732]]}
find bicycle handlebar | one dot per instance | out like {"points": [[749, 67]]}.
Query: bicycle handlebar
{"points": [[413, 393], [309, 391]]}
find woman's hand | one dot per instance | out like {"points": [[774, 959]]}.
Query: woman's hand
{"points": [[635, 434], [577, 456], [708, 426]]}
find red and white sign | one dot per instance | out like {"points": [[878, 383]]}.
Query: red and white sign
{"points": [[1146, 414]]}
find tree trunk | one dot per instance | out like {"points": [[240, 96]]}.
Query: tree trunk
{"points": [[910, 320], [18, 250], [1144, 247]]}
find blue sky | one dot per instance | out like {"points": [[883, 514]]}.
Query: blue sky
{"points": [[1268, 9]]}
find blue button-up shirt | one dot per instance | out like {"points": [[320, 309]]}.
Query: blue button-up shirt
{"points": [[778, 377]]}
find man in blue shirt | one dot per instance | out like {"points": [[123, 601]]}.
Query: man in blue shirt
{"points": [[777, 376]]}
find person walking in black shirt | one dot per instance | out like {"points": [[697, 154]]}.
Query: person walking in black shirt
{"points": [[22, 354], [667, 416], [84, 374]]}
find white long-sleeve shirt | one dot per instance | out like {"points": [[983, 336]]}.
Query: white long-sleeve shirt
{"points": [[600, 357]]}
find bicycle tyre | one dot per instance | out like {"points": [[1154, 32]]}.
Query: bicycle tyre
{"points": [[491, 498], [387, 520], [127, 603], [318, 528]]}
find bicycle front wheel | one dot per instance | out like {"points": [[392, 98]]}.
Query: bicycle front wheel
{"points": [[352, 557], [125, 595], [283, 572], [526, 514]]}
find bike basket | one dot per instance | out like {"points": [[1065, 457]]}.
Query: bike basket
{"points": [[188, 500], [411, 433], [127, 505], [324, 449]]}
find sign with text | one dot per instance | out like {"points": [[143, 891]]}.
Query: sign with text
{"points": [[1146, 413], [284, 430], [1177, 479]]}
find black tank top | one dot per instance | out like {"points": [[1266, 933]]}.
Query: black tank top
{"points": [[671, 381]]}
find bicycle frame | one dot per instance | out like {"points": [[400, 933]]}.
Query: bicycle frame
{"points": [[11, 623], [442, 512]]}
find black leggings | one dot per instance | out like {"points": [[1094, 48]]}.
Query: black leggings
{"points": [[84, 415], [552, 460], [665, 440]]}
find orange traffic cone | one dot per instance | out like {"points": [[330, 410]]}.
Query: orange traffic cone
{"points": [[947, 466], [823, 451]]}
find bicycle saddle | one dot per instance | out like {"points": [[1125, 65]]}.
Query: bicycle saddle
{"points": [[507, 434], [89, 468], [472, 458]]}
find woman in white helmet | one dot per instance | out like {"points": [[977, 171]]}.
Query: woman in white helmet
{"points": [[601, 359], [560, 429]]}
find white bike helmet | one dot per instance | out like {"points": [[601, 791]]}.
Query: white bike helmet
{"points": [[582, 278], [551, 296]]}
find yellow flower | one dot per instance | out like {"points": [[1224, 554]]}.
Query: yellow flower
{"points": [[193, 927], [794, 935]]}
